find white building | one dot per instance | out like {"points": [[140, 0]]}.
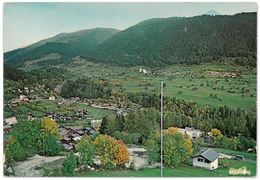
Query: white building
{"points": [[206, 158], [96, 123], [193, 133], [52, 98], [11, 120]]}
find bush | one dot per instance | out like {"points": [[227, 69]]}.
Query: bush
{"points": [[86, 150], [49, 145], [69, 165], [14, 151]]}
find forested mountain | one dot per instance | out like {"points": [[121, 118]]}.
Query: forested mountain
{"points": [[154, 42], [182, 40], [66, 45]]}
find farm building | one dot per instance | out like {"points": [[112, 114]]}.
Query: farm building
{"points": [[206, 158]]}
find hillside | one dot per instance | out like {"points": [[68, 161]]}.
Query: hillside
{"points": [[65, 45], [191, 40], [154, 42]]}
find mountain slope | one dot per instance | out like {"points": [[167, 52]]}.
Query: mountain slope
{"points": [[192, 40], [67, 45]]}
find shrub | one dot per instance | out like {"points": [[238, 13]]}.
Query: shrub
{"points": [[86, 150], [69, 165], [49, 145]]}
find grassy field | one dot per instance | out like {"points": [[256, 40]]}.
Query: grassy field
{"points": [[122, 173], [44, 106], [189, 171], [96, 113], [183, 171], [190, 83], [250, 156]]}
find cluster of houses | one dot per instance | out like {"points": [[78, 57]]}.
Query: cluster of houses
{"points": [[79, 114], [221, 74], [70, 135]]}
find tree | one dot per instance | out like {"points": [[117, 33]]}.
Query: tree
{"points": [[51, 126], [153, 147], [106, 148], [122, 155], [49, 145], [177, 148], [69, 165], [216, 132], [86, 151]]}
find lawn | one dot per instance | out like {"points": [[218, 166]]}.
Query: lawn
{"points": [[189, 171], [250, 156], [122, 173], [182, 171], [96, 113]]}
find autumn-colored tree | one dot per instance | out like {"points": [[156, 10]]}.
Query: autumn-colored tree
{"points": [[107, 149], [172, 130], [216, 132], [122, 155], [50, 126]]}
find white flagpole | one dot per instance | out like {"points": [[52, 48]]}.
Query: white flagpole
{"points": [[161, 128]]}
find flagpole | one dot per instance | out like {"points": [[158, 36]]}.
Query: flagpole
{"points": [[161, 128]]}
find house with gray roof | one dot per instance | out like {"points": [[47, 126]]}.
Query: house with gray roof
{"points": [[206, 158]]}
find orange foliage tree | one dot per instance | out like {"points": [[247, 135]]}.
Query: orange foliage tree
{"points": [[122, 155]]}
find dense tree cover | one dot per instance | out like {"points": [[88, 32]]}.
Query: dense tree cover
{"points": [[191, 40], [177, 147], [49, 77], [28, 138], [133, 128], [85, 88], [67, 45], [180, 113], [234, 143]]}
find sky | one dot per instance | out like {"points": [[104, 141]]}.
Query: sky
{"points": [[27, 23]]}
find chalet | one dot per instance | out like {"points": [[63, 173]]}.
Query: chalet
{"points": [[11, 120], [96, 123], [52, 98], [191, 132], [23, 98], [206, 158]]}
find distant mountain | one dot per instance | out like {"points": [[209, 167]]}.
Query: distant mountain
{"points": [[64, 45], [163, 41], [212, 13], [154, 42]]}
